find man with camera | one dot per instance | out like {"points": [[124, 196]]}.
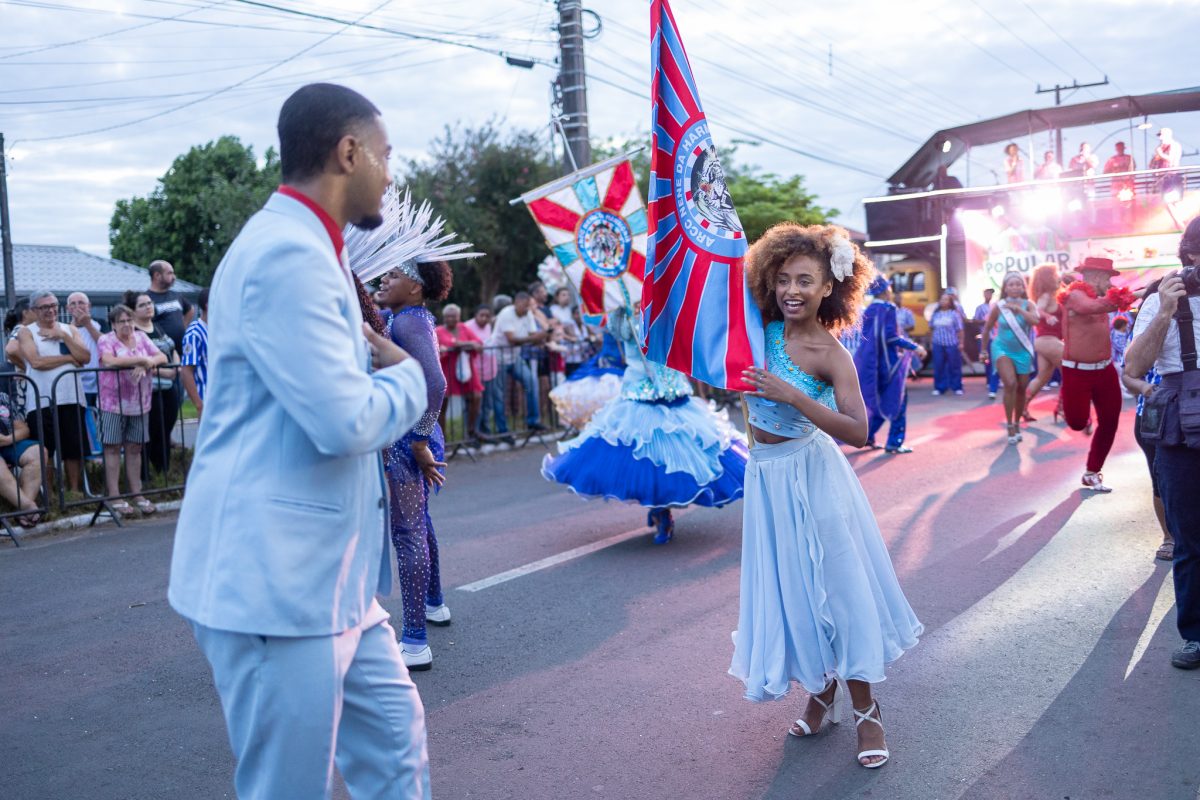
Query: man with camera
{"points": [[1165, 336]]}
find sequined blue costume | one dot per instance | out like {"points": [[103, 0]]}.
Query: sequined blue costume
{"points": [[882, 361], [655, 444], [819, 597], [412, 328]]}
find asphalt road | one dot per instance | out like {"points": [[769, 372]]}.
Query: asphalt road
{"points": [[1043, 672]]}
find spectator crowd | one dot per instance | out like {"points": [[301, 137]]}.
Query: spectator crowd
{"points": [[74, 387]]}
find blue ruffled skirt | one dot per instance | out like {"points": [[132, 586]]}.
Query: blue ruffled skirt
{"points": [[819, 597], [658, 455]]}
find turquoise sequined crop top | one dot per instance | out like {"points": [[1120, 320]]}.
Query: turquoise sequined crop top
{"points": [[779, 418]]}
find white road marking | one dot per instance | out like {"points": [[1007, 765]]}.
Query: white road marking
{"points": [[1162, 605], [550, 561]]}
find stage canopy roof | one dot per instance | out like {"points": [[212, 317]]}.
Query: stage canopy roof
{"points": [[919, 171]]}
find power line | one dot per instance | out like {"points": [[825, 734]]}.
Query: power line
{"points": [[1020, 38], [145, 78], [404, 34], [981, 48], [100, 35], [213, 94], [792, 95], [1068, 43], [753, 134]]}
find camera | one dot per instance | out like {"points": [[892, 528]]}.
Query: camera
{"points": [[1191, 280]]}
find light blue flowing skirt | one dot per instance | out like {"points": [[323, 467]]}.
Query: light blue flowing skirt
{"points": [[819, 596]]}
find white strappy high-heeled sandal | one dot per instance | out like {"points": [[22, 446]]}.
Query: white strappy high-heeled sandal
{"points": [[865, 716], [831, 711]]}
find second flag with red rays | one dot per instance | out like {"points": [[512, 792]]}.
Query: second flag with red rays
{"points": [[697, 313]]}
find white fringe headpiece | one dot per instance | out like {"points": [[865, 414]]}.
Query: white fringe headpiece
{"points": [[408, 236]]}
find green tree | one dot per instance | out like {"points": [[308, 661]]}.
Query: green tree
{"points": [[196, 209], [761, 198], [469, 176]]}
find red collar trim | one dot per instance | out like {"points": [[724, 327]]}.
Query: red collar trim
{"points": [[335, 233]]}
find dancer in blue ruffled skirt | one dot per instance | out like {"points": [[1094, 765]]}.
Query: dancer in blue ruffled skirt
{"points": [[654, 444], [820, 604]]}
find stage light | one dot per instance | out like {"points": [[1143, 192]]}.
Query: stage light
{"points": [[946, 146], [1125, 195], [1146, 124], [1075, 205], [1173, 196], [997, 211]]}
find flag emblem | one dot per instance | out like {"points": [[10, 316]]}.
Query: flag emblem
{"points": [[697, 313], [594, 223]]}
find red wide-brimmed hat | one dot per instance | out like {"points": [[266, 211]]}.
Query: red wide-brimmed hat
{"points": [[1097, 264]]}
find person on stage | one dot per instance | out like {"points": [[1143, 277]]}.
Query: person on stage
{"points": [[1014, 165], [1167, 155], [1047, 342], [1011, 351], [282, 542], [820, 604], [882, 360], [1121, 162], [1089, 377], [1049, 169], [655, 444]]}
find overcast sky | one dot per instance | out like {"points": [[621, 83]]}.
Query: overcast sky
{"points": [[98, 97]]}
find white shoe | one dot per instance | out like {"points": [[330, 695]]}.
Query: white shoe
{"points": [[417, 661], [958, 392], [991, 395], [866, 716], [438, 615], [1095, 482], [936, 392]]}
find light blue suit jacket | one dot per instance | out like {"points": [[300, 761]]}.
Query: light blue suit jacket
{"points": [[283, 530]]}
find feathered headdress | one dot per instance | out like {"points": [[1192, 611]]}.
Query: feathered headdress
{"points": [[409, 235]]}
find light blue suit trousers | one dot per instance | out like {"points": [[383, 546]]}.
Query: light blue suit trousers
{"points": [[296, 705]]}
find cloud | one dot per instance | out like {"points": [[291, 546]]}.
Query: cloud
{"points": [[900, 72]]}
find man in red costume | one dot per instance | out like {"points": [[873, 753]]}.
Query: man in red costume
{"points": [[1089, 377]]}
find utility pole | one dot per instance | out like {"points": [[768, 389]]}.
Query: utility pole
{"points": [[1058, 90], [10, 292], [572, 83]]}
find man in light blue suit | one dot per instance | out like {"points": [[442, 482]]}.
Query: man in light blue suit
{"points": [[282, 542]]}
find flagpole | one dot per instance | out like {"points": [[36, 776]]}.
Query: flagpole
{"points": [[574, 177]]}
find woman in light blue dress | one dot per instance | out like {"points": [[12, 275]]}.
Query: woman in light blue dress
{"points": [[820, 604]]}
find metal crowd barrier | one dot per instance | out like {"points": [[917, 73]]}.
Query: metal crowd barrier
{"points": [[512, 378], [169, 425], [500, 413], [19, 390]]}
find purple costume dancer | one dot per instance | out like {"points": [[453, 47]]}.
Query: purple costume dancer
{"points": [[409, 253], [412, 328]]}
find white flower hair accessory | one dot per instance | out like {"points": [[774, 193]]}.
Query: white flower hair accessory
{"points": [[841, 257], [409, 235]]}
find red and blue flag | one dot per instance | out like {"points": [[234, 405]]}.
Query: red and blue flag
{"points": [[697, 313]]}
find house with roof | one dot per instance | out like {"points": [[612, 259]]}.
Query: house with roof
{"points": [[65, 269]]}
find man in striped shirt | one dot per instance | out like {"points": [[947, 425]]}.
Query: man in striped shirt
{"points": [[195, 355]]}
